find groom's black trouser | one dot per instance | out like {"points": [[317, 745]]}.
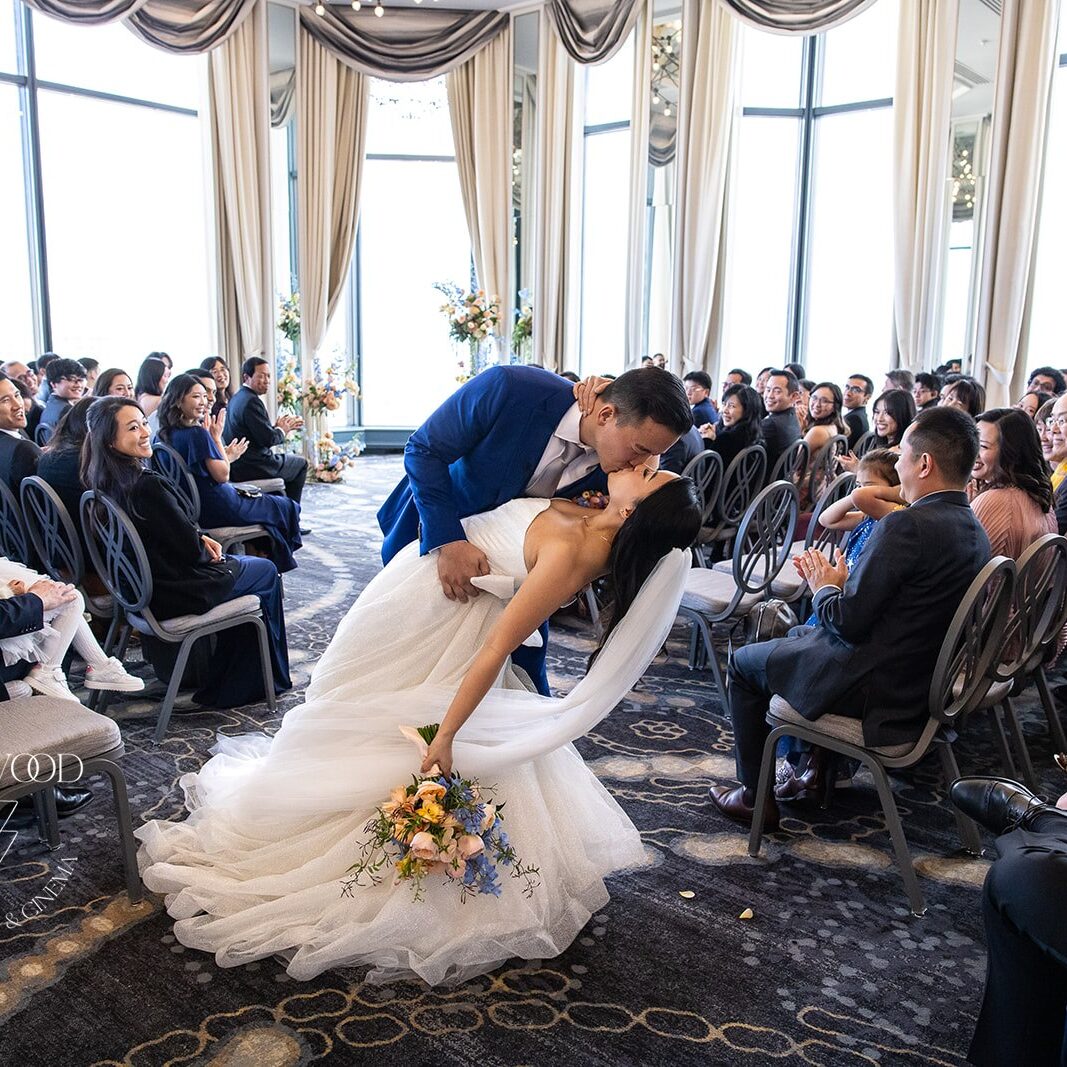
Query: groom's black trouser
{"points": [[1024, 904], [532, 661]]}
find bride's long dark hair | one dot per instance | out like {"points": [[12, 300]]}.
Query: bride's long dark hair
{"points": [[668, 518]]}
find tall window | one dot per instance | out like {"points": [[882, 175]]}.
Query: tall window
{"points": [[1048, 322], [605, 209], [412, 233], [100, 149], [810, 256]]}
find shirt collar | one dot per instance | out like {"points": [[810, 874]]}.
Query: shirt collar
{"points": [[17, 434], [569, 428]]}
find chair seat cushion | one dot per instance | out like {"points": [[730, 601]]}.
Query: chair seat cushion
{"points": [[228, 534], [785, 586], [101, 605], [710, 592], [43, 725], [181, 625], [840, 727], [997, 694], [267, 485], [708, 536]]}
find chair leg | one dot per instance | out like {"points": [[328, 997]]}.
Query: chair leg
{"points": [[896, 835], [172, 690], [968, 830], [694, 636], [1020, 743], [112, 631], [134, 889], [264, 656], [44, 807], [125, 630], [1006, 758], [763, 789], [1059, 739]]}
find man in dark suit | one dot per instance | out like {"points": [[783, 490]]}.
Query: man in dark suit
{"points": [[18, 454], [246, 416], [698, 390], [66, 381], [926, 391], [28, 383], [857, 393], [880, 628], [779, 428]]}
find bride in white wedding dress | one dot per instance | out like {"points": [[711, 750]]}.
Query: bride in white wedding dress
{"points": [[256, 867]]}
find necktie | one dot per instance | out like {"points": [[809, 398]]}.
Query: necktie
{"points": [[547, 482]]}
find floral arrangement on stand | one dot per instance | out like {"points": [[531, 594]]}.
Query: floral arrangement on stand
{"points": [[288, 323], [334, 459], [522, 331], [473, 320], [439, 824]]}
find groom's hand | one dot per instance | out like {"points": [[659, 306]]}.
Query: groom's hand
{"points": [[457, 563]]}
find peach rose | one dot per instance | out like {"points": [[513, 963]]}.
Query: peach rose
{"points": [[430, 791], [424, 847], [488, 818], [470, 845]]}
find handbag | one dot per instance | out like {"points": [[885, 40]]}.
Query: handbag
{"points": [[767, 620]]}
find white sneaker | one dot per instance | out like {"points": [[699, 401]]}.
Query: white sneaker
{"points": [[50, 682], [113, 676], [17, 688]]}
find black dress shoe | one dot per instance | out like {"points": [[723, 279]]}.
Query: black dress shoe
{"points": [[305, 530], [998, 804], [68, 801], [739, 804]]}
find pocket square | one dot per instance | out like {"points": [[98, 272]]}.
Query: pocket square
{"points": [[504, 587]]}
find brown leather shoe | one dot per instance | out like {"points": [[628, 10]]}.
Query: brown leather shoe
{"points": [[738, 803]]}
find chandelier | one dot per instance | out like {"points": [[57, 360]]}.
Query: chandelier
{"points": [[666, 45]]}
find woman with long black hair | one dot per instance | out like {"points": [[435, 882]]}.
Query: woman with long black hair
{"points": [[739, 419]]}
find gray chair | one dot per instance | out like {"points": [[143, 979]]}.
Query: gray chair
{"points": [[792, 464], [48, 727], [705, 469], [960, 676], [169, 463], [119, 557], [742, 481], [761, 548], [865, 443], [43, 434], [14, 541], [276, 486], [823, 467]]}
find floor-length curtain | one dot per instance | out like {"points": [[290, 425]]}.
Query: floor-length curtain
{"points": [[1025, 64], [480, 106], [239, 115], [706, 106], [922, 114], [637, 238], [331, 135], [557, 214]]}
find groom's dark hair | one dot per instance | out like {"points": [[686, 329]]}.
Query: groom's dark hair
{"points": [[638, 395]]}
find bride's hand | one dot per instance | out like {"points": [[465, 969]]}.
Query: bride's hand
{"points": [[439, 752]]}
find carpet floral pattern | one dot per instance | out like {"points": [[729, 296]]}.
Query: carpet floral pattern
{"points": [[831, 969]]}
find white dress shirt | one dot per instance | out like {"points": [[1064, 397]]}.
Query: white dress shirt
{"points": [[565, 459]]}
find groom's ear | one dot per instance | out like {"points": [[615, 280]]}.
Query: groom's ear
{"points": [[604, 414]]}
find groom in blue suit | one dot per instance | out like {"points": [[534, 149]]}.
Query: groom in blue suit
{"points": [[518, 431]]}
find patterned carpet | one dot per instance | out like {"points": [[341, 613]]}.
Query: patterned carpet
{"points": [[832, 968]]}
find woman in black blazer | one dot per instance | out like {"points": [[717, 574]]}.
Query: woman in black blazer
{"points": [[190, 575], [739, 424]]}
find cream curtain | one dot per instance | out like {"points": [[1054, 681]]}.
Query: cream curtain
{"points": [[331, 135], [1025, 63], [706, 107], [557, 222], [922, 113], [239, 116], [637, 238], [480, 105]]}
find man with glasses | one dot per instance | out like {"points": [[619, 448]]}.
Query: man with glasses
{"points": [[926, 391], [1046, 380], [66, 378], [857, 393], [780, 427], [698, 393]]}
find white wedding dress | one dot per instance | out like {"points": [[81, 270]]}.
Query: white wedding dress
{"points": [[256, 867]]}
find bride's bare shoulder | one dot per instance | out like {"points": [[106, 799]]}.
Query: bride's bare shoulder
{"points": [[559, 530]]}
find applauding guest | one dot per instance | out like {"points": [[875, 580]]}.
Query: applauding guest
{"points": [[185, 423]]}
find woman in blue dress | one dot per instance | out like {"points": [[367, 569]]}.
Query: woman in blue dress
{"points": [[186, 424]]}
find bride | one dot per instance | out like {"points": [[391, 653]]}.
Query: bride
{"points": [[274, 823]]}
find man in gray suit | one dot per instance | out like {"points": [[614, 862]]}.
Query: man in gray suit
{"points": [[880, 628]]}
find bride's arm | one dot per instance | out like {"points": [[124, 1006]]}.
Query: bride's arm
{"points": [[553, 582]]}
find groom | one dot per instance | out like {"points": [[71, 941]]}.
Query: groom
{"points": [[513, 432]]}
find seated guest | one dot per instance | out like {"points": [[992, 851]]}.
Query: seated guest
{"points": [[44, 390], [926, 391], [964, 393], [881, 626], [572, 377], [899, 379], [207, 380], [60, 462], [739, 423], [1032, 402], [646, 361], [152, 379], [824, 416], [92, 371], [780, 428], [857, 395], [1047, 380], [1024, 1009], [1042, 420], [801, 401], [736, 377], [66, 381], [186, 425], [190, 575], [26, 380], [218, 369], [114, 382], [761, 383], [246, 416], [893, 414], [698, 392], [796, 369], [1012, 491], [659, 360], [1057, 434], [686, 448], [18, 454], [164, 357]]}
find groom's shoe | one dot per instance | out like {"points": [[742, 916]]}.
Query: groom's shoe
{"points": [[998, 804], [739, 804]]}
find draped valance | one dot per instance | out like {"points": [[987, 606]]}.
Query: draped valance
{"points": [[592, 31], [795, 16]]}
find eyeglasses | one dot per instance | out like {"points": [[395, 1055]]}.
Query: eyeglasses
{"points": [[820, 402], [855, 389], [1056, 420]]}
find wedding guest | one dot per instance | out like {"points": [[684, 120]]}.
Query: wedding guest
{"points": [[66, 380], [246, 416], [1031, 402], [737, 376], [164, 357], [25, 378], [207, 380], [780, 428], [824, 416], [698, 392], [190, 575], [926, 391], [185, 423], [221, 373], [660, 360], [797, 369], [800, 403], [152, 379], [1057, 434], [1043, 422], [964, 393], [1047, 380], [114, 382], [92, 371], [857, 395], [899, 379], [44, 390], [18, 454], [60, 461], [572, 377], [739, 423], [684, 450]]}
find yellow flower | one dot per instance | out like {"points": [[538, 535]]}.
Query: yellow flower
{"points": [[432, 812]]}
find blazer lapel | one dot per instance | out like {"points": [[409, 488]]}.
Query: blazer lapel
{"points": [[530, 441]]}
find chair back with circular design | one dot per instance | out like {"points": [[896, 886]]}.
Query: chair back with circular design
{"points": [[1039, 612], [819, 536], [823, 467], [14, 543], [43, 434], [865, 443], [117, 552], [972, 642], [792, 464], [169, 464], [740, 484], [52, 531], [705, 469], [765, 536]]}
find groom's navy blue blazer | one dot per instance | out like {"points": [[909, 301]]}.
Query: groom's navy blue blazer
{"points": [[478, 450]]}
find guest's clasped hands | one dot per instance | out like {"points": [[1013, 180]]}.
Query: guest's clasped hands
{"points": [[818, 571]]}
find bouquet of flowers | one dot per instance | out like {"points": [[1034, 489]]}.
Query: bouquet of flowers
{"points": [[471, 316], [334, 459], [289, 388], [289, 317], [440, 824], [327, 389], [522, 331]]}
